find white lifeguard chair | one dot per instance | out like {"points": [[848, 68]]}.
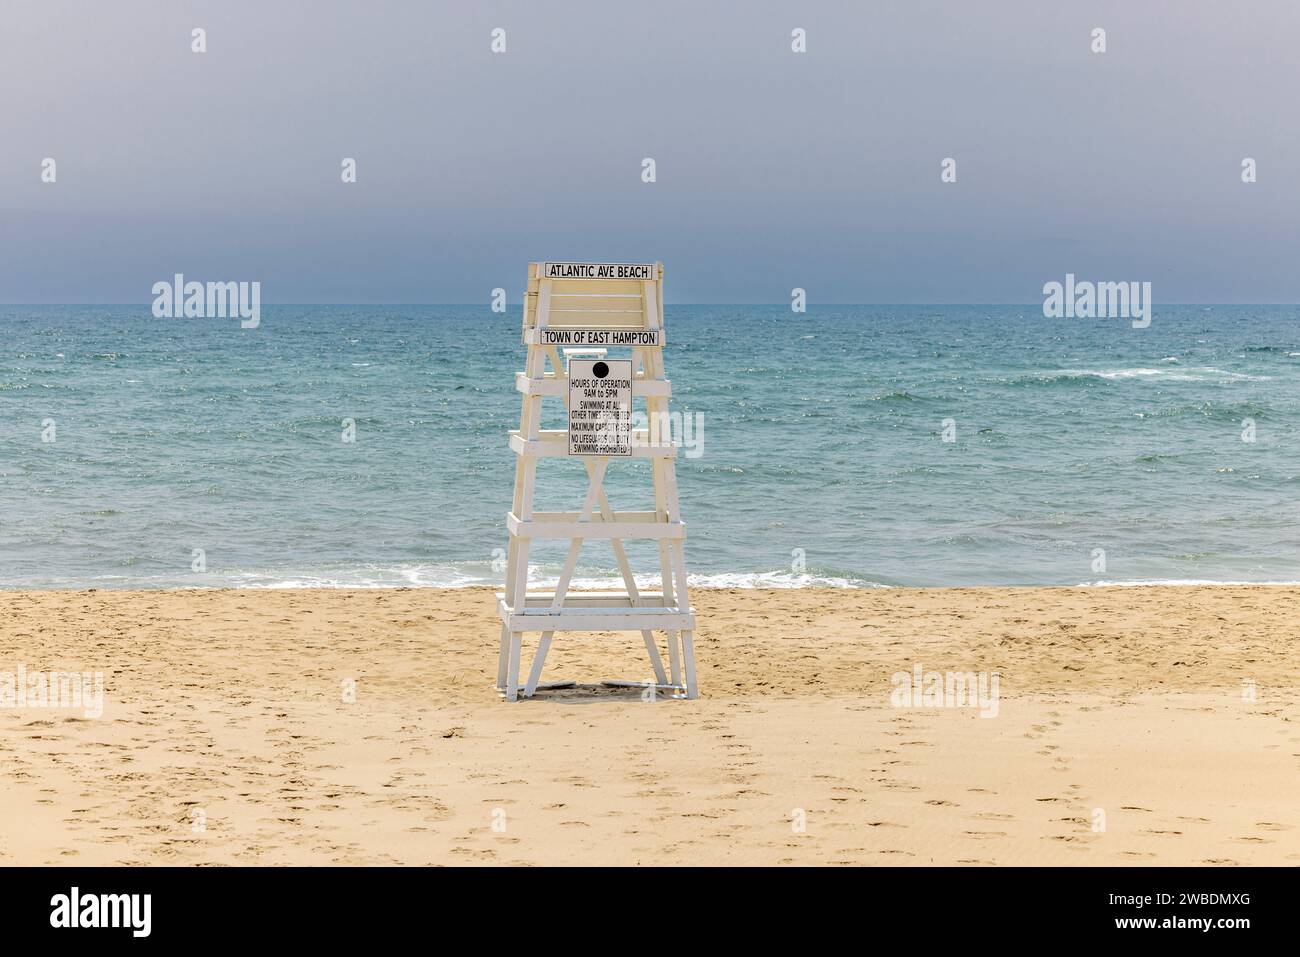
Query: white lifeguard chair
{"points": [[588, 309]]}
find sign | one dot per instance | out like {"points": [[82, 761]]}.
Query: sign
{"points": [[600, 337], [600, 406], [643, 271]]}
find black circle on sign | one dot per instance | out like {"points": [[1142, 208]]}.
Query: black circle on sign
{"points": [[600, 370]]}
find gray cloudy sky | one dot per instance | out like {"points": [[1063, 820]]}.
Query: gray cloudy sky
{"points": [[774, 169]]}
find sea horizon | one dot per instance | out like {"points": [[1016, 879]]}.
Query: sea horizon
{"points": [[668, 304]]}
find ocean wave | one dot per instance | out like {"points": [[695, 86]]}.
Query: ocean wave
{"points": [[1153, 457], [541, 577], [1225, 411], [897, 396], [465, 575], [1195, 374], [777, 580]]}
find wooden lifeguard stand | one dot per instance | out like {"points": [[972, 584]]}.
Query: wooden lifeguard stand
{"points": [[586, 309]]}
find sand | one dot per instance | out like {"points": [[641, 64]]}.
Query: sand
{"points": [[228, 736]]}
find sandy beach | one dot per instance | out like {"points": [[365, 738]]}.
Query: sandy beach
{"points": [[1145, 725]]}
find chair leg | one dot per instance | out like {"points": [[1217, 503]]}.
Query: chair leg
{"points": [[503, 659], [653, 652], [512, 685], [535, 673], [688, 656]]}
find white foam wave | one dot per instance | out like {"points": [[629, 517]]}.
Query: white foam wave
{"points": [[1198, 374], [480, 574]]}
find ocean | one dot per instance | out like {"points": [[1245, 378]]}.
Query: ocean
{"points": [[853, 446]]}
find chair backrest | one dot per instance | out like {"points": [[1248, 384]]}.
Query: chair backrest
{"points": [[595, 295]]}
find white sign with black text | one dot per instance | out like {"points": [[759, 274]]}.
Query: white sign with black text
{"points": [[646, 272], [600, 406], [600, 337]]}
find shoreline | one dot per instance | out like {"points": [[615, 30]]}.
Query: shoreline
{"points": [[231, 708], [616, 584]]}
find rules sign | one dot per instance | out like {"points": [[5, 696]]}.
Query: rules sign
{"points": [[600, 406]]}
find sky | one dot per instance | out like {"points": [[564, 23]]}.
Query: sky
{"points": [[773, 169]]}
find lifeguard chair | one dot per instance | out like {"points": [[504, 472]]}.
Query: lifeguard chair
{"points": [[588, 310]]}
